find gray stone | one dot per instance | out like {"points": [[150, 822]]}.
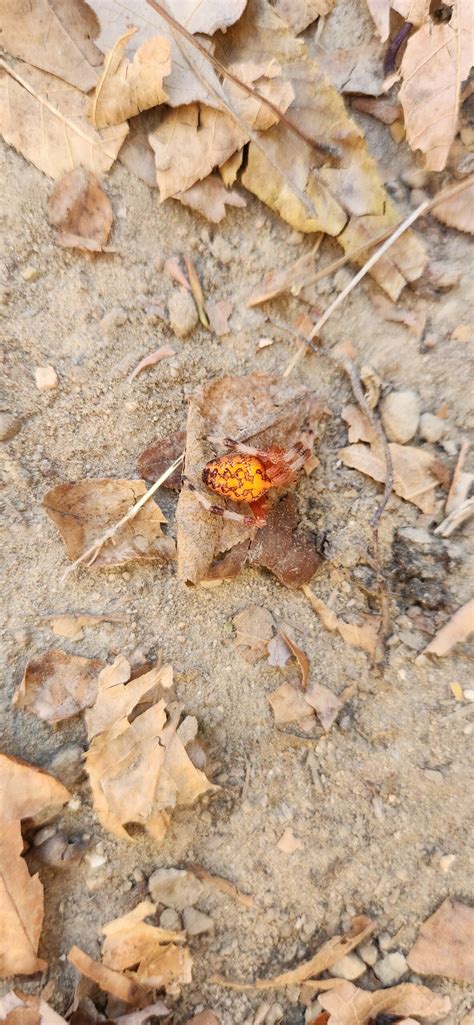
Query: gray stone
{"points": [[169, 919], [9, 426], [349, 967], [368, 952], [432, 427], [196, 922], [67, 765], [175, 888], [400, 412], [183, 313], [391, 968]]}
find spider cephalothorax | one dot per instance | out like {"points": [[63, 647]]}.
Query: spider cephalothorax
{"points": [[246, 474]]}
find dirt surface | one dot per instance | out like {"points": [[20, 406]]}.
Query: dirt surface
{"points": [[379, 800]]}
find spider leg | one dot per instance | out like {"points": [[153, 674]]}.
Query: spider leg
{"points": [[238, 446], [217, 510]]}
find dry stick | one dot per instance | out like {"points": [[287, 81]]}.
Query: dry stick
{"points": [[428, 204], [92, 552], [178, 27]]}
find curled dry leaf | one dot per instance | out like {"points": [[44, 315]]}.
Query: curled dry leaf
{"points": [[72, 626], [159, 957], [109, 981], [219, 314], [445, 943], [457, 212], [189, 142], [82, 511], [324, 958], [437, 59], [137, 761], [455, 631], [25, 792], [291, 705], [150, 361], [259, 410], [81, 211], [231, 168], [414, 471], [56, 686], [44, 119], [254, 629], [60, 43], [363, 636], [154, 460], [136, 153], [343, 197], [24, 1009], [125, 88], [299, 14], [349, 1005], [301, 658], [210, 198], [386, 111]]}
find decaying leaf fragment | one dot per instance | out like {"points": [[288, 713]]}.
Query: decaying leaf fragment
{"points": [[363, 636], [82, 511], [259, 410], [81, 211], [24, 1009], [55, 39], [159, 957], [125, 88], [189, 143], [254, 629], [303, 704], [299, 14], [44, 119], [349, 1005], [56, 686], [117, 984], [164, 352], [72, 625], [137, 761], [154, 460], [455, 631], [445, 943], [210, 198], [457, 212], [25, 792], [414, 470], [437, 60]]}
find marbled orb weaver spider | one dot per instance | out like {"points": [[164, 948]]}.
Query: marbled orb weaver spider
{"points": [[247, 474]]}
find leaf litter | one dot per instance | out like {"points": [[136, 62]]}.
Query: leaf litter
{"points": [[57, 686], [349, 1005], [81, 211], [72, 625], [455, 631], [445, 943]]}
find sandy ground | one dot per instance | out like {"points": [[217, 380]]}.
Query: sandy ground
{"points": [[378, 801]]}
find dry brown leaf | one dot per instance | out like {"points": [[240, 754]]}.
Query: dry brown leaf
{"points": [[349, 1005], [231, 168], [264, 78], [287, 279], [44, 119], [17, 1008], [278, 651], [82, 511], [301, 658], [343, 198], [364, 636], [126, 88], [291, 705], [73, 625], [54, 35], [155, 1010], [445, 943], [137, 761], [360, 427], [260, 410], [150, 361], [324, 958], [118, 985], [414, 471], [461, 482], [289, 843], [357, 69], [455, 631], [189, 142], [414, 11], [386, 111], [457, 212], [81, 211], [298, 14], [437, 59], [154, 460], [56, 686], [414, 320], [224, 885], [254, 629], [158, 956], [25, 792], [210, 198], [219, 314]]}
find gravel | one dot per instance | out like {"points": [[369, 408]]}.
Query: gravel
{"points": [[400, 413]]}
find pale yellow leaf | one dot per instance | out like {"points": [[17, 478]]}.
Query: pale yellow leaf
{"points": [[44, 119], [128, 87], [231, 168], [437, 59]]}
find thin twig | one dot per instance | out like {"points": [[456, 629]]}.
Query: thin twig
{"points": [[247, 89], [91, 553], [425, 207]]}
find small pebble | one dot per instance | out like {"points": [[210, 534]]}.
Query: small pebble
{"points": [[221, 250], [30, 273], [391, 968], [196, 922], [95, 859], [183, 313], [46, 378], [446, 862], [400, 412], [9, 426], [368, 952], [432, 427], [415, 177], [349, 967], [169, 919], [175, 888], [469, 694]]}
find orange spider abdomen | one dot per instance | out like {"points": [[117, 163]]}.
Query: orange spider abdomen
{"points": [[240, 478]]}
